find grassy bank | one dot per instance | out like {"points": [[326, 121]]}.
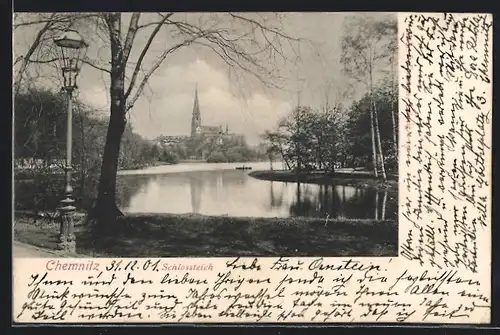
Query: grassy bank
{"points": [[170, 235], [357, 179]]}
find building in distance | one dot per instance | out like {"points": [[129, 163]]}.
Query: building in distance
{"points": [[202, 138]]}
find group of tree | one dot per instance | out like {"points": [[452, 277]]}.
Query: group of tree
{"points": [[225, 149], [369, 59], [40, 146], [364, 134], [40, 135], [170, 154], [324, 140], [308, 139]]}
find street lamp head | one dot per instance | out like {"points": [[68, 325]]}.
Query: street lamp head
{"points": [[70, 39], [72, 49]]}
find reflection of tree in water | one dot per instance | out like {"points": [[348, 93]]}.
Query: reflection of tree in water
{"points": [[128, 186], [219, 181], [343, 201], [224, 178], [196, 188], [305, 200], [303, 204], [390, 205], [276, 200]]}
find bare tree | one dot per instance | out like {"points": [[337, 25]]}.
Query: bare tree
{"points": [[391, 30], [251, 43], [41, 49], [366, 50]]}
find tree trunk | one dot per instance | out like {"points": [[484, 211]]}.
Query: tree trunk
{"points": [[283, 157], [384, 202], [106, 209], [375, 129], [372, 114], [379, 142], [394, 130], [297, 146], [374, 151]]}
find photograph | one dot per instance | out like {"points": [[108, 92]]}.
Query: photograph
{"points": [[205, 134]]}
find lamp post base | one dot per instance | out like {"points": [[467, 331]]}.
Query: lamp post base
{"points": [[67, 240], [69, 246]]}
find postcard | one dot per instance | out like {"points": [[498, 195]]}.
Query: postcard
{"points": [[252, 168]]}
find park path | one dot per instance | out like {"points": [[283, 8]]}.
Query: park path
{"points": [[20, 250]]}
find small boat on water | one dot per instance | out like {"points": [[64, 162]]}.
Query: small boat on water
{"points": [[243, 167]]}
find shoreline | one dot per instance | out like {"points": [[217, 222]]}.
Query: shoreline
{"points": [[26, 173], [356, 179]]}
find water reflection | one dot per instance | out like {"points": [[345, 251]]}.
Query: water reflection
{"points": [[338, 201], [196, 188], [234, 193]]}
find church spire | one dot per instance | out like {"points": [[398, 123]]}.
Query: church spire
{"points": [[196, 104], [196, 120]]}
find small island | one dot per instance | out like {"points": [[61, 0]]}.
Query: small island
{"points": [[359, 179]]}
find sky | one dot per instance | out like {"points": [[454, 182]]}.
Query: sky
{"points": [[247, 107]]}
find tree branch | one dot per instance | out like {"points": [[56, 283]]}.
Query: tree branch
{"points": [[113, 31], [29, 23], [153, 69], [229, 50], [129, 40], [56, 18], [87, 61], [38, 61], [143, 54], [258, 24], [156, 22], [33, 47]]}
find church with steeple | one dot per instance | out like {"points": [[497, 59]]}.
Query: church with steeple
{"points": [[203, 138], [200, 130]]}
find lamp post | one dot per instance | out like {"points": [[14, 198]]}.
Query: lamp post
{"points": [[72, 49]]}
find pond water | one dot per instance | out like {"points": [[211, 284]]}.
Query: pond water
{"points": [[220, 189]]}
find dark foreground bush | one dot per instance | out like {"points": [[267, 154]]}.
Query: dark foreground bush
{"points": [[43, 192]]}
